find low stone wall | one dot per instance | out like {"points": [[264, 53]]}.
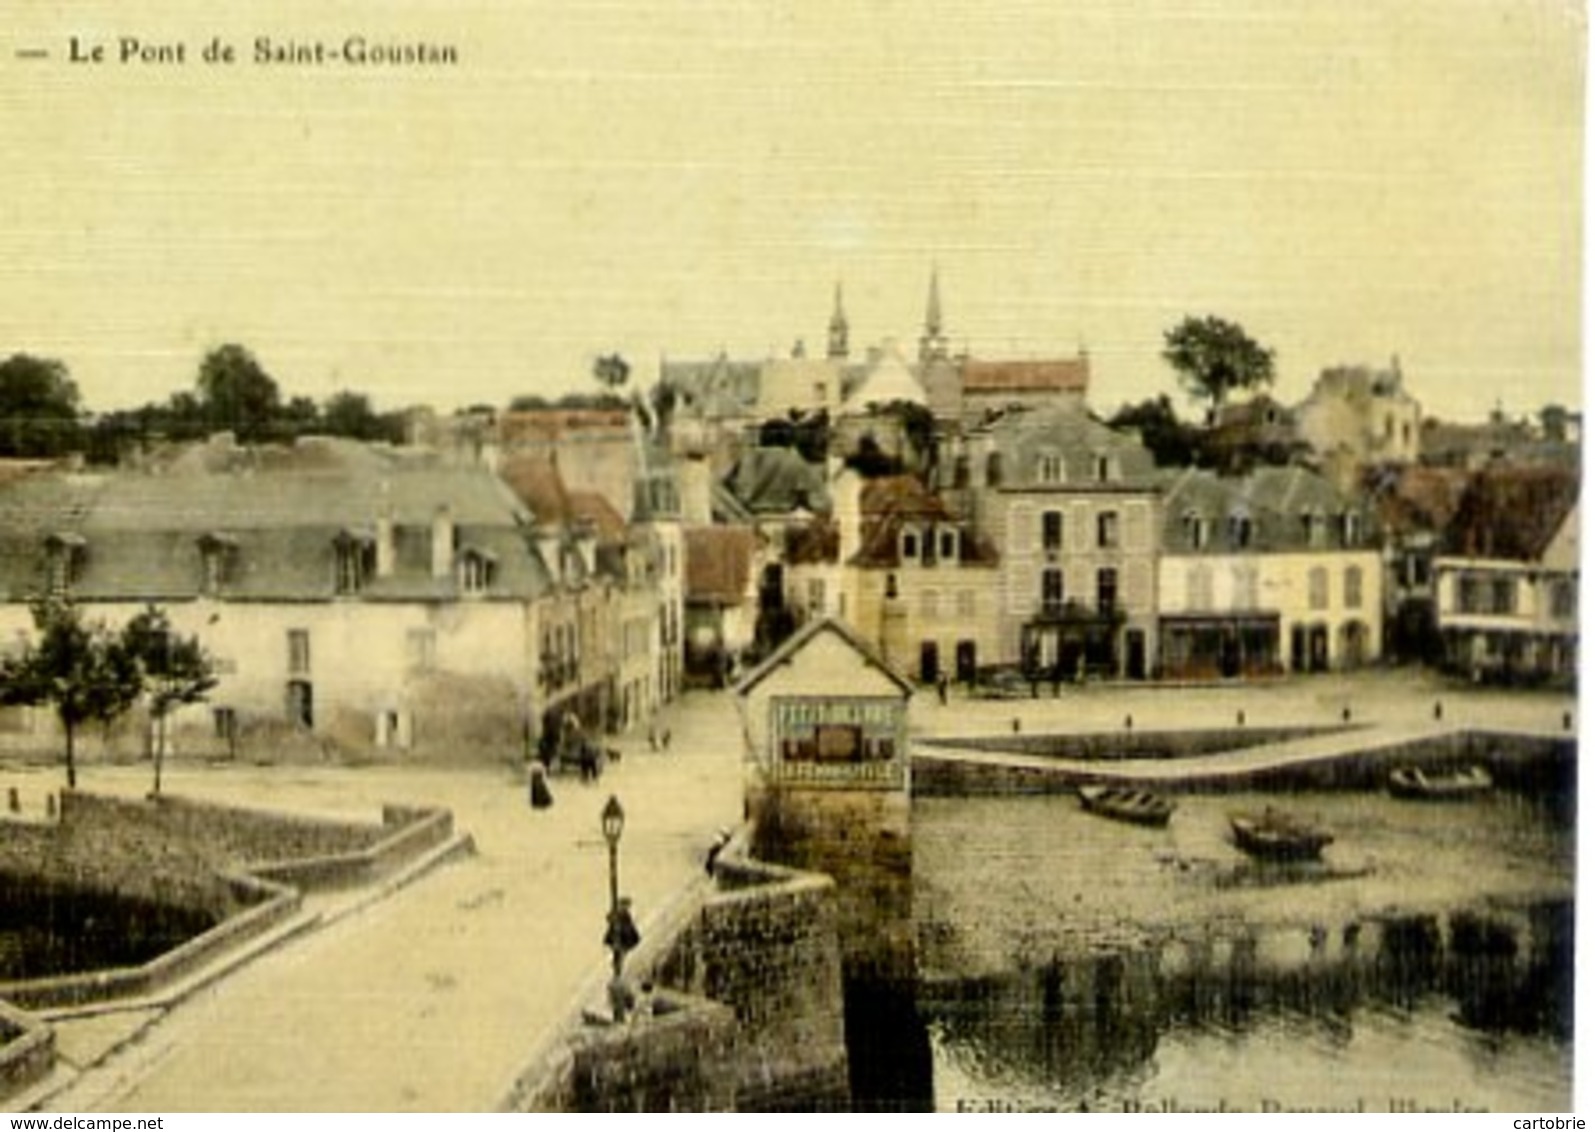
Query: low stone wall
{"points": [[409, 832], [743, 1011], [269, 904], [27, 1050], [1132, 744], [1531, 763]]}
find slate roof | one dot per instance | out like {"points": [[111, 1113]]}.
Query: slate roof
{"points": [[1067, 430], [799, 640], [777, 481], [718, 563], [280, 513], [1273, 501], [1511, 511]]}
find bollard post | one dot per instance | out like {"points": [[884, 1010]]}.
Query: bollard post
{"points": [[1240, 718], [1016, 725], [1439, 710], [14, 800], [1129, 723], [1345, 714]]}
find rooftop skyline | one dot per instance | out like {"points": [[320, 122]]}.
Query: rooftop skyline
{"points": [[1347, 182]]}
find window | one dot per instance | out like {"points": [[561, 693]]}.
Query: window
{"points": [[1052, 590], [816, 588], [420, 649], [1244, 580], [356, 560], [301, 704], [1312, 528], [1318, 588], [1107, 591], [1353, 583], [1350, 529], [1052, 530], [1417, 570], [1105, 469], [1199, 588], [961, 472], [477, 571], [1564, 598], [994, 470], [910, 546], [1240, 530], [298, 651], [1195, 530], [949, 546], [891, 585], [1108, 530], [1503, 596], [1471, 594], [1049, 468], [226, 723]]}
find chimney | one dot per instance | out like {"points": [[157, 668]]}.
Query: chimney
{"points": [[697, 482], [442, 542], [847, 509], [385, 543], [546, 536]]}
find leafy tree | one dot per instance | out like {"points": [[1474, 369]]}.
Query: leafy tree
{"points": [[1172, 442], [1213, 356], [39, 408], [84, 672], [175, 671], [612, 371], [236, 393], [347, 413]]}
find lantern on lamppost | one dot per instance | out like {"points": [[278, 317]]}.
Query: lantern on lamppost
{"points": [[621, 935]]}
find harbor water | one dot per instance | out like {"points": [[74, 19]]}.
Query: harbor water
{"points": [[1073, 962]]}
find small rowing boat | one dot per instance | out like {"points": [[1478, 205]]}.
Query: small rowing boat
{"points": [[1273, 836], [1411, 782], [1139, 806]]}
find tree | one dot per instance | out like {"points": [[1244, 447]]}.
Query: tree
{"points": [[84, 672], [1172, 442], [175, 670], [612, 370], [236, 393], [1213, 356], [39, 408]]}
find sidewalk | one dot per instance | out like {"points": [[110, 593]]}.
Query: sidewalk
{"points": [[432, 998]]}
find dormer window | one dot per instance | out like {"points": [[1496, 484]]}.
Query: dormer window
{"points": [[217, 554], [1350, 529], [1106, 469], [1312, 528], [994, 470], [910, 546], [1049, 468], [67, 553], [949, 546], [1195, 530], [355, 562], [477, 571], [1240, 530]]}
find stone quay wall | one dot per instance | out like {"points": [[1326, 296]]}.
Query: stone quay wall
{"points": [[27, 1050], [740, 1009]]}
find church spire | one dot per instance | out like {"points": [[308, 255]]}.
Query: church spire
{"points": [[837, 347], [933, 344]]}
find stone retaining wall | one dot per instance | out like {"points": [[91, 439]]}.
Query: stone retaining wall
{"points": [[27, 1050]]}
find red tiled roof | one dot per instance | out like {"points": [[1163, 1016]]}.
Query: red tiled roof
{"points": [[1064, 375], [718, 563], [901, 495], [595, 509], [536, 481], [817, 541], [1512, 511], [550, 424]]}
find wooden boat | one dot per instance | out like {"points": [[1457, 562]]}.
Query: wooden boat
{"points": [[1139, 806], [1411, 782], [1273, 836]]}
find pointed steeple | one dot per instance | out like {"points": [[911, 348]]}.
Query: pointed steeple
{"points": [[933, 343], [837, 347]]}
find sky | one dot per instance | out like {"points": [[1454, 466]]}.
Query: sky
{"points": [[660, 178]]}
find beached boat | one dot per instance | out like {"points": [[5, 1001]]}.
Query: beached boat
{"points": [[1411, 782], [1139, 806], [1274, 836]]}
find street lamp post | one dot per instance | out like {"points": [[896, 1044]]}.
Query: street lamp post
{"points": [[621, 935]]}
